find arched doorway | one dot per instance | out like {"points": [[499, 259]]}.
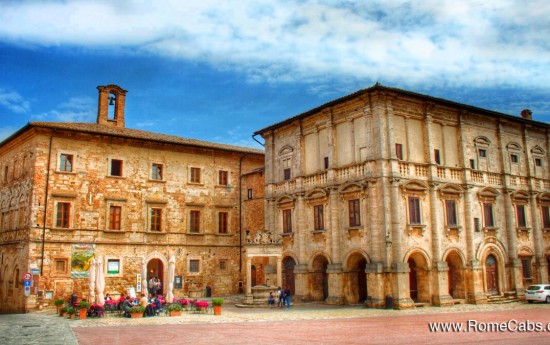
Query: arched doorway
{"points": [[288, 274], [355, 283], [455, 275], [319, 286], [491, 274], [419, 280], [155, 268]]}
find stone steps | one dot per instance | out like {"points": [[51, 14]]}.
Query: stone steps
{"points": [[502, 299]]}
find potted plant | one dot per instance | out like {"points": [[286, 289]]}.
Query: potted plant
{"points": [[136, 311], [58, 303], [217, 304], [63, 311], [175, 309], [83, 309], [71, 312]]}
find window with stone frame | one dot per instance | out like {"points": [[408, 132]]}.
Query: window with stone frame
{"points": [[66, 162], [520, 216], [285, 162], [545, 217], [194, 266], [488, 216], [195, 175], [115, 217], [155, 222], [318, 218], [482, 145], [450, 213], [194, 221], [223, 218], [437, 156], [157, 171], [63, 215], [223, 178], [487, 198], [287, 221], [526, 267], [415, 214], [354, 213], [399, 151], [60, 266], [223, 265], [116, 167]]}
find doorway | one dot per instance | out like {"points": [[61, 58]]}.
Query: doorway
{"points": [[491, 274]]}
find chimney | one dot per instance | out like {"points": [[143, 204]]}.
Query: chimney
{"points": [[526, 114]]}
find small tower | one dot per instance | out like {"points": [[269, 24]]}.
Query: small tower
{"points": [[110, 109]]}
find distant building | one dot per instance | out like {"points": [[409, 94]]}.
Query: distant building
{"points": [[73, 191], [390, 192]]}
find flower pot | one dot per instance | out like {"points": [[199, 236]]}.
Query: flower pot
{"points": [[71, 316], [175, 313], [63, 313], [82, 314], [217, 310], [136, 315]]}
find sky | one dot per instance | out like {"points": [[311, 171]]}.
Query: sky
{"points": [[220, 70]]}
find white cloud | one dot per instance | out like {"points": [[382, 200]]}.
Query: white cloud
{"points": [[470, 43], [14, 102], [76, 109]]}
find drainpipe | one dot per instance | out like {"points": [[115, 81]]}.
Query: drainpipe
{"points": [[46, 205], [240, 216]]}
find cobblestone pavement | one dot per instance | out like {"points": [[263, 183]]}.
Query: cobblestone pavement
{"points": [[304, 323]]}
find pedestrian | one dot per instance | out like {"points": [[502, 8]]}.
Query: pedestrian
{"points": [[271, 299], [280, 299], [287, 297]]}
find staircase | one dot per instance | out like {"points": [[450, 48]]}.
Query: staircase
{"points": [[507, 297]]}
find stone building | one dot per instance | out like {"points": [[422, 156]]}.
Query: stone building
{"points": [[390, 192], [70, 192]]}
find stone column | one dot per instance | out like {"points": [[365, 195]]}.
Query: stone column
{"points": [[301, 281], [249, 299], [473, 269], [334, 225], [335, 284], [300, 232], [541, 263], [375, 285], [279, 271], [514, 264]]}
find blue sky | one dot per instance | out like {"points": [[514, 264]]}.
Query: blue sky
{"points": [[215, 71]]}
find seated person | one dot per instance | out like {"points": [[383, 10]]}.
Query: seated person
{"points": [[108, 297], [126, 306], [143, 301]]}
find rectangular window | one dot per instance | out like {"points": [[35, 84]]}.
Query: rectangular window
{"points": [[287, 221], [194, 266], [156, 171], [545, 217], [223, 265], [222, 222], [195, 221], [250, 193], [437, 156], [399, 151], [538, 162], [65, 162], [414, 210], [113, 266], [223, 178], [450, 210], [60, 266], [156, 219], [514, 158], [354, 213], [526, 267], [326, 163], [195, 175], [115, 213], [472, 164], [482, 153], [520, 214], [63, 214], [116, 167], [287, 174], [488, 220], [318, 219]]}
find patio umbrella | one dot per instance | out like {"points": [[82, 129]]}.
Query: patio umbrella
{"points": [[91, 281], [171, 272], [144, 276], [100, 281]]}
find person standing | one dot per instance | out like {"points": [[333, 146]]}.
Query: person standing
{"points": [[287, 297], [280, 298], [151, 285]]}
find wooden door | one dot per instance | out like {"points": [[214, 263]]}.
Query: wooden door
{"points": [[491, 275], [253, 276], [362, 281], [288, 276]]}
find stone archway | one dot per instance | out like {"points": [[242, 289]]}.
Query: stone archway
{"points": [[155, 268], [419, 280], [456, 275], [319, 281], [355, 279], [491, 274]]}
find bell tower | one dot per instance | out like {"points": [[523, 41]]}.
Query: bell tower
{"points": [[110, 110]]}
